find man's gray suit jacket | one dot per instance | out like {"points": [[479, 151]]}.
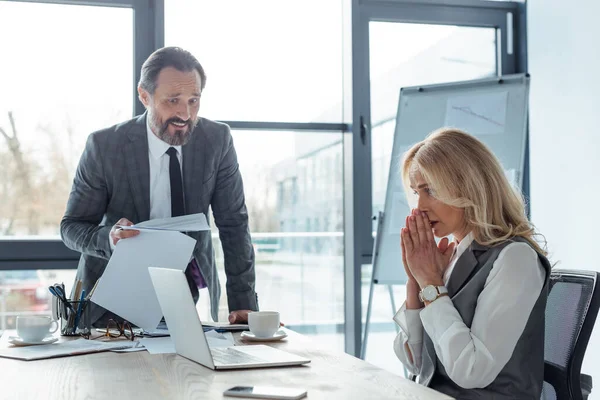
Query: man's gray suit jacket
{"points": [[113, 182]]}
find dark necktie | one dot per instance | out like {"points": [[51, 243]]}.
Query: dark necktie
{"points": [[177, 204], [178, 209]]}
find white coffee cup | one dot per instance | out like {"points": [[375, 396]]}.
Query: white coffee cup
{"points": [[35, 328], [263, 324]]}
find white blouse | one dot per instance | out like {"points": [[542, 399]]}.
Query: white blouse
{"points": [[474, 357]]}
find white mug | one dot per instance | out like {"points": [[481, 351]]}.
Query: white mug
{"points": [[35, 328], [263, 324]]}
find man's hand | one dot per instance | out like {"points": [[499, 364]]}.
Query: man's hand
{"points": [[117, 233], [239, 316]]}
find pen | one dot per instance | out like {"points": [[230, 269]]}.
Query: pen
{"points": [[93, 288], [78, 315], [65, 303]]}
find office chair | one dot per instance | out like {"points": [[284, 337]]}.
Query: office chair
{"points": [[573, 302]]}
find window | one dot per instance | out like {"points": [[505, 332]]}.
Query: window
{"points": [[267, 60], [299, 269], [442, 53], [67, 76]]}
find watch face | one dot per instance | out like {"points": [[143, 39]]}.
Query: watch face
{"points": [[430, 293]]}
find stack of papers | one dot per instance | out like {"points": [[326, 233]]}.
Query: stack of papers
{"points": [[125, 287], [67, 348]]}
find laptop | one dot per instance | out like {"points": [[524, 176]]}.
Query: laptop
{"points": [[186, 331]]}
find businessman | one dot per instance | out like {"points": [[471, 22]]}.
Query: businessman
{"points": [[165, 162]]}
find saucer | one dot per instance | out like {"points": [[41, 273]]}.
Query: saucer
{"points": [[17, 341], [247, 335]]}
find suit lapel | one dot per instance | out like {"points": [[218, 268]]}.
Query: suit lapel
{"points": [[464, 267], [138, 167], [195, 163]]}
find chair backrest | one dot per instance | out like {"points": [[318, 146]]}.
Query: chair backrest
{"points": [[573, 303]]}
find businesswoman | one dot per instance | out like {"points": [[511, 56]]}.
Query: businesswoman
{"points": [[472, 325]]}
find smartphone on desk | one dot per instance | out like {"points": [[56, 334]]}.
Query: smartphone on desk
{"points": [[265, 392]]}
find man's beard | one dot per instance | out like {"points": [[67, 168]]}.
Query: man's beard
{"points": [[182, 135]]}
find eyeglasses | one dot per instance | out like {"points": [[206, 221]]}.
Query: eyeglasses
{"points": [[115, 330]]}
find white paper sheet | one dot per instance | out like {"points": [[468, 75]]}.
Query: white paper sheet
{"points": [[125, 287], [184, 223], [136, 347], [70, 348], [481, 114], [158, 345], [163, 345]]}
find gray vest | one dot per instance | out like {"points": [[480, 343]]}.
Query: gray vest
{"points": [[523, 375]]}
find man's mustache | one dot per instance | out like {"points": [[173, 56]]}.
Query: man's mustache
{"points": [[178, 121]]}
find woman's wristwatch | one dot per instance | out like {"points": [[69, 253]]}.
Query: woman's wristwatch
{"points": [[431, 292]]}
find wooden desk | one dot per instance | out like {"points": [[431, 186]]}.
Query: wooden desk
{"points": [[140, 375]]}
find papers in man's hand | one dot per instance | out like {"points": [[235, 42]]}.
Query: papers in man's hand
{"points": [[125, 287], [184, 223], [68, 348]]}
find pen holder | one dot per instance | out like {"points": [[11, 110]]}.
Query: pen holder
{"points": [[74, 318]]}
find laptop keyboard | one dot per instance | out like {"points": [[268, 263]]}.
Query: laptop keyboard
{"points": [[227, 356]]}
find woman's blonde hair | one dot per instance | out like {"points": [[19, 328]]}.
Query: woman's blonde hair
{"points": [[462, 172]]}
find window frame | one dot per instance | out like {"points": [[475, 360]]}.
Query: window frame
{"points": [[509, 20]]}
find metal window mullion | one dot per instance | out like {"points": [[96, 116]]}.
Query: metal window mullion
{"points": [[357, 186], [474, 4], [288, 126], [438, 15], [30, 253], [148, 35]]}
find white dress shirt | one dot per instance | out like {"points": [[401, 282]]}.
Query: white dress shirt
{"points": [[160, 181], [474, 357]]}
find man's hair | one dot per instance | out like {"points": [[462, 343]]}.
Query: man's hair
{"points": [[175, 57]]}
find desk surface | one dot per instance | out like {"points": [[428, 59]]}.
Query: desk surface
{"points": [[108, 376]]}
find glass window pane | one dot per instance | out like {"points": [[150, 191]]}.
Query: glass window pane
{"points": [[74, 76], [25, 292], [70, 78], [439, 54], [270, 60], [295, 203]]}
